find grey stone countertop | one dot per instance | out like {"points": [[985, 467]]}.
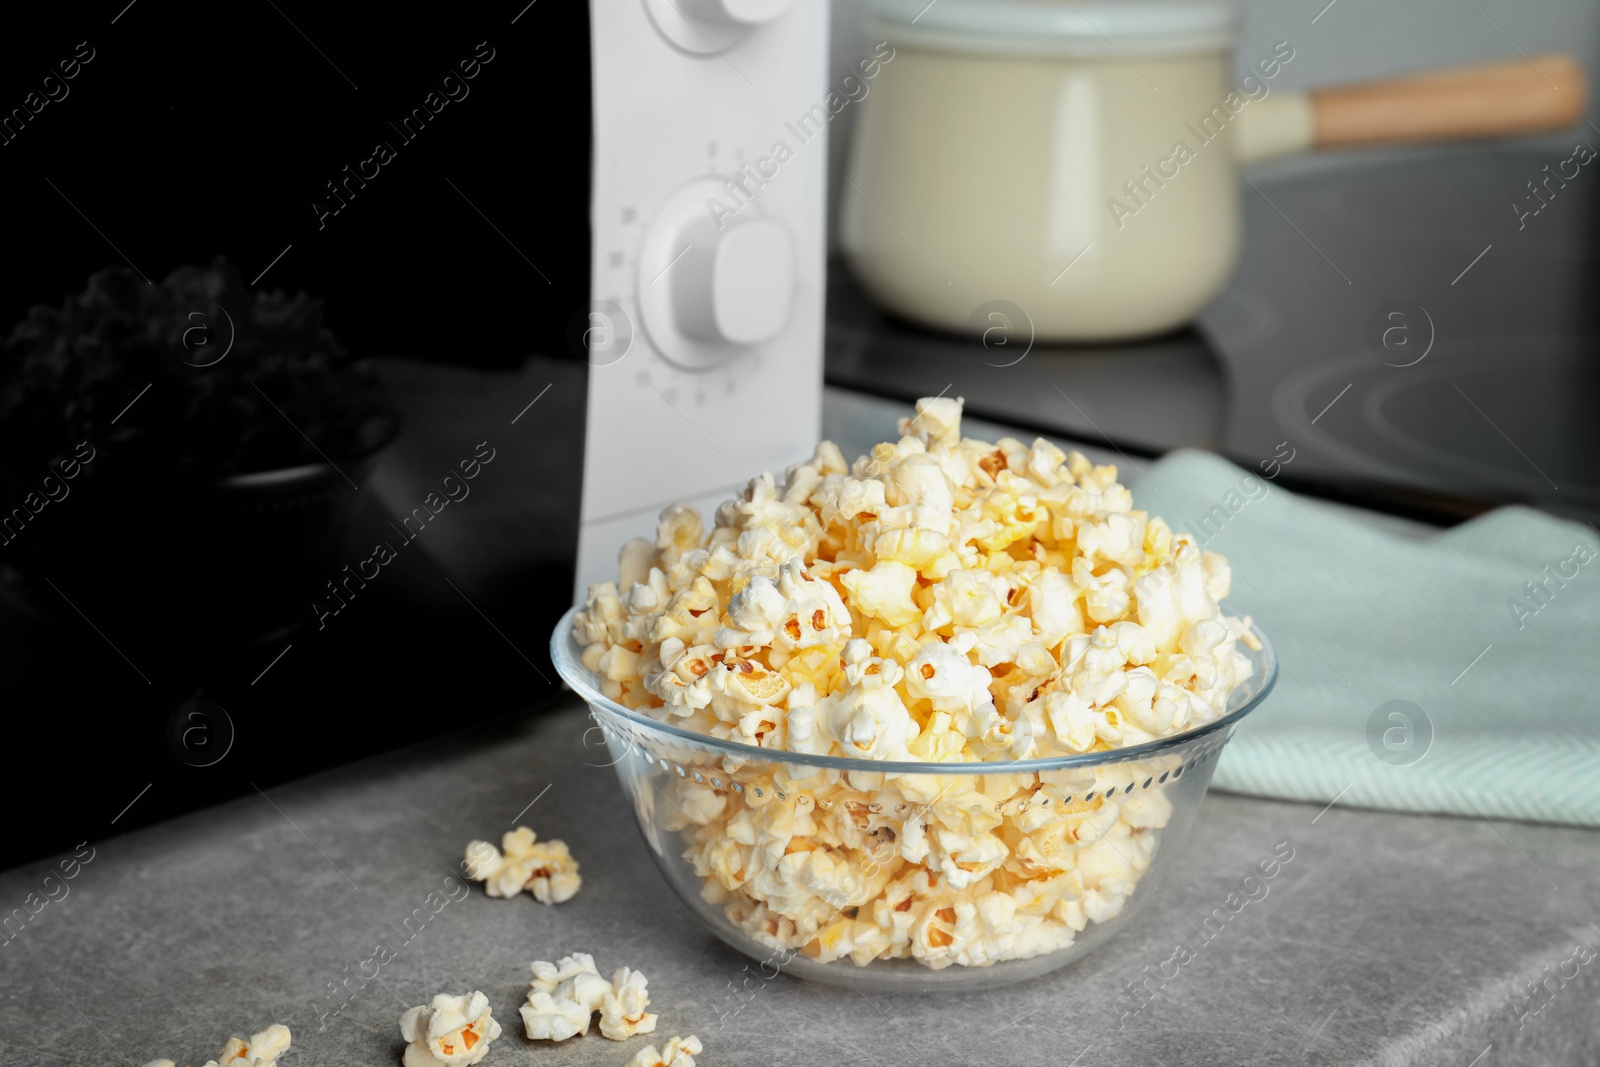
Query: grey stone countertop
{"points": [[1386, 939]]}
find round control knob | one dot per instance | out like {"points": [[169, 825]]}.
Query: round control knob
{"points": [[744, 12], [734, 285], [706, 27], [713, 287]]}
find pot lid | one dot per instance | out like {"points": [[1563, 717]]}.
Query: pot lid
{"points": [[1058, 27]]}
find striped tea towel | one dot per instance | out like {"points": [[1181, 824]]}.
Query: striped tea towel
{"points": [[1457, 672]]}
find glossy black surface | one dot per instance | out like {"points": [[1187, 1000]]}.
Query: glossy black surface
{"points": [[1483, 394]]}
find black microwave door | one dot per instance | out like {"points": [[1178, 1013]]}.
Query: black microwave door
{"points": [[175, 635]]}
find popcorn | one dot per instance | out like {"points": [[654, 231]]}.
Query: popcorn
{"points": [[451, 1032], [943, 600], [262, 1050], [546, 869], [677, 1052], [546, 1018], [622, 1012], [680, 531], [871, 721], [884, 592], [939, 419], [564, 996], [947, 680]]}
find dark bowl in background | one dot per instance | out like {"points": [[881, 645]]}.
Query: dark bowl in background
{"points": [[214, 566]]}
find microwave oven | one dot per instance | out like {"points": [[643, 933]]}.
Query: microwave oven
{"points": [[592, 185], [565, 234]]}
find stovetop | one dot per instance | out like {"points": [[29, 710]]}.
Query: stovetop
{"points": [[1415, 342]]}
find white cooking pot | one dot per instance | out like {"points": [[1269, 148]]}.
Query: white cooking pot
{"points": [[1077, 159]]}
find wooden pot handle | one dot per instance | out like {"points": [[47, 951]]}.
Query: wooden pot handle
{"points": [[1544, 93]]}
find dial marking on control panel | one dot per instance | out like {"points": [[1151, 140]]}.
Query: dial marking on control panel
{"points": [[702, 433]]}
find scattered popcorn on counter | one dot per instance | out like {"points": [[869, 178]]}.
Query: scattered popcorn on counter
{"points": [[262, 1050], [453, 1031], [677, 1052], [564, 996], [622, 1012], [941, 600], [544, 868]]}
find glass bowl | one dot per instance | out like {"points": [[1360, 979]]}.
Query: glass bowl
{"points": [[798, 861]]}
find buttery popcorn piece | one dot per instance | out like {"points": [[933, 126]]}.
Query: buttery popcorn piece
{"points": [[677, 1052], [564, 996], [262, 1050], [450, 1032], [622, 1012], [544, 868]]}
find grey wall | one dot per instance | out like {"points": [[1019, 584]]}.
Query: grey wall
{"points": [[1358, 39]]}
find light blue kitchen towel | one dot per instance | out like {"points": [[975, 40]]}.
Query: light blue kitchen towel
{"points": [[1455, 672]]}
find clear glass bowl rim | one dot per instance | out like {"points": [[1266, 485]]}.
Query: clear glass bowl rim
{"points": [[564, 653]]}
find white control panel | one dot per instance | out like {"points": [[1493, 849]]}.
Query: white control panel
{"points": [[708, 221]]}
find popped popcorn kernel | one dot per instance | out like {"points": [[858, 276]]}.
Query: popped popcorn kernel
{"points": [[677, 1052], [943, 600], [564, 997], [262, 1050], [622, 1011], [452, 1031], [544, 868]]}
